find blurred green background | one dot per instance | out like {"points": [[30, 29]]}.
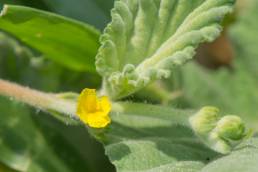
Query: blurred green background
{"points": [[47, 145]]}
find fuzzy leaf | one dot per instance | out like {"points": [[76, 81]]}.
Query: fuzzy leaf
{"points": [[243, 159], [147, 138], [146, 38]]}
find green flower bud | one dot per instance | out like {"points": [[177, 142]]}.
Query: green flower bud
{"points": [[218, 144], [231, 127], [219, 133], [204, 121]]}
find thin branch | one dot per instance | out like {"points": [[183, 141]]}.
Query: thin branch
{"points": [[41, 100]]}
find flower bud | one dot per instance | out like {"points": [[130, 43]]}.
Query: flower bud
{"points": [[221, 134], [205, 120], [231, 127]]}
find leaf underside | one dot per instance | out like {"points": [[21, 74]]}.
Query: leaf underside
{"points": [[146, 38]]}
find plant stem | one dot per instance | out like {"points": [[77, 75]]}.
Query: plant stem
{"points": [[41, 100]]}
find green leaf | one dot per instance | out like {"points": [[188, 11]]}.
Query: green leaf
{"points": [[23, 147], [234, 91], [18, 66], [243, 159], [4, 168], [146, 38], [63, 40], [41, 74], [146, 138], [95, 12]]}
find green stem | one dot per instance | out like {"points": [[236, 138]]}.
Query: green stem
{"points": [[41, 100], [156, 92]]}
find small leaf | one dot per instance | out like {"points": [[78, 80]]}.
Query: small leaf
{"points": [[146, 38], [63, 40]]}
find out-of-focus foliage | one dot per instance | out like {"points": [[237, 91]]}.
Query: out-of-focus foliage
{"points": [[23, 147], [66, 148], [4, 168], [19, 65], [233, 90], [60, 39], [94, 12]]}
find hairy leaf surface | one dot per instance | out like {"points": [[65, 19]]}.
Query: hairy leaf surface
{"points": [[147, 138], [243, 159], [146, 38]]}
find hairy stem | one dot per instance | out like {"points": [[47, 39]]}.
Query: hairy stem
{"points": [[43, 101]]}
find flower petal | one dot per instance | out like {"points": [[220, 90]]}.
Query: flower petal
{"points": [[98, 121], [105, 105], [88, 98], [93, 111]]}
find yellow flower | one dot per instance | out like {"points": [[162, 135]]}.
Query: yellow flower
{"points": [[93, 111]]}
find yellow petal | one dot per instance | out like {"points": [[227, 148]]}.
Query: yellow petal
{"points": [[88, 100], [105, 105], [98, 121], [93, 111]]}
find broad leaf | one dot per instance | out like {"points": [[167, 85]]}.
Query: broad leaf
{"points": [[63, 40], [146, 38], [146, 138], [234, 91], [93, 12]]}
